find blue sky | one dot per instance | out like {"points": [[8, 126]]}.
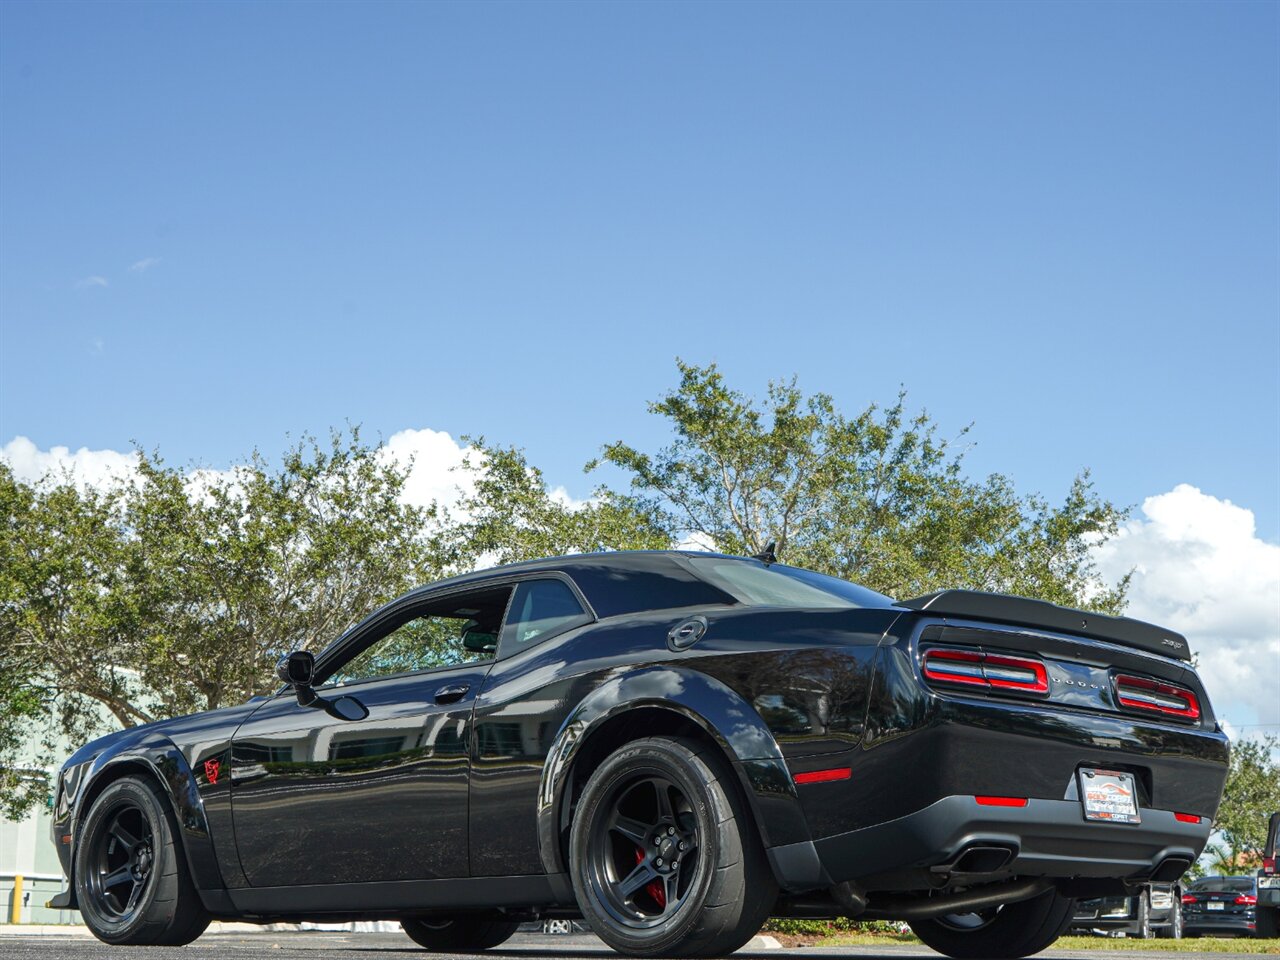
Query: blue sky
{"points": [[224, 224], [220, 224]]}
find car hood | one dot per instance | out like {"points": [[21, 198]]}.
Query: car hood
{"points": [[175, 728]]}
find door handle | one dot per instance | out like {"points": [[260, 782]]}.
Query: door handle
{"points": [[452, 694]]}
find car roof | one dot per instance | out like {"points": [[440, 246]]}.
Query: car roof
{"points": [[620, 559]]}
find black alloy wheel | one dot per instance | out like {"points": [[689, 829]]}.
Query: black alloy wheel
{"points": [[121, 861], [643, 854], [664, 854], [131, 877]]}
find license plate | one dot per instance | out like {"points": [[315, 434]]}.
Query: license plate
{"points": [[1215, 905], [1109, 795]]}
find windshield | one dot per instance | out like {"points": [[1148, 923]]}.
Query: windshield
{"points": [[776, 585], [1222, 885]]}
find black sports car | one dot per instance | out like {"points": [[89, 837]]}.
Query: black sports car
{"points": [[673, 746]]}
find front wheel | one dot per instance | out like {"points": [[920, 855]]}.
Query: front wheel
{"points": [[131, 879], [465, 934], [664, 855], [1003, 933]]}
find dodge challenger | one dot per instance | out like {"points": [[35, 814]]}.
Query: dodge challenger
{"points": [[672, 746]]}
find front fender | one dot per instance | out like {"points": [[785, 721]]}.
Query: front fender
{"points": [[723, 714], [160, 756]]}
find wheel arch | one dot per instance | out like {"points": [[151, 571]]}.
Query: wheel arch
{"points": [[158, 759], [673, 701]]}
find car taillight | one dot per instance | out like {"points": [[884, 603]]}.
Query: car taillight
{"points": [[1269, 865], [1186, 817], [1156, 696], [1245, 900], [991, 671], [1188, 898]]}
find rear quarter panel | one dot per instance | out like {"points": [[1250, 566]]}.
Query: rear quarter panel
{"points": [[777, 686]]}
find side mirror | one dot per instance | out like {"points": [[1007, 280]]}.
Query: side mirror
{"points": [[297, 669]]}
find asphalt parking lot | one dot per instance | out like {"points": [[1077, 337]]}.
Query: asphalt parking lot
{"points": [[371, 946]]}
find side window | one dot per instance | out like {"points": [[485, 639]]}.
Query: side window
{"points": [[540, 609], [444, 633]]}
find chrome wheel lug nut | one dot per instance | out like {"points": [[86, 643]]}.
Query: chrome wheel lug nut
{"points": [[671, 831], [683, 845], [658, 861]]}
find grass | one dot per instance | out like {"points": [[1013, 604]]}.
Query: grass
{"points": [[1186, 945], [1084, 944]]}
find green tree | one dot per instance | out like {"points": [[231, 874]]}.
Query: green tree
{"points": [[1251, 795], [508, 514], [60, 563], [230, 571], [177, 591], [876, 498]]}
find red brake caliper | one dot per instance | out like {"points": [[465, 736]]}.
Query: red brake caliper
{"points": [[654, 887]]}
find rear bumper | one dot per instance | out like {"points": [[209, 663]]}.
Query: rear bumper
{"points": [[1046, 838], [1239, 925]]}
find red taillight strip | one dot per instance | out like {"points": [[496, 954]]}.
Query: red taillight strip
{"points": [[959, 666], [824, 776], [1002, 801], [1186, 817], [1245, 900], [990, 670], [1155, 696]]}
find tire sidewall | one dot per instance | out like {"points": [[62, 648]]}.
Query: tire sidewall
{"points": [[102, 926], [692, 776], [1019, 929]]}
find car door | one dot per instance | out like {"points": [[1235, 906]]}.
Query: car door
{"points": [[376, 791]]}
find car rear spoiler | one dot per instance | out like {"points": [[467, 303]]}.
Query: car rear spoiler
{"points": [[1002, 608]]}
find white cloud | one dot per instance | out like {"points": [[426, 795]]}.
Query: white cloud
{"points": [[1200, 568], [567, 500], [145, 264], [698, 542], [86, 467], [94, 281], [433, 476]]}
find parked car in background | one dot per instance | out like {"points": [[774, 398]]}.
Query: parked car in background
{"points": [[1269, 883], [1155, 910], [1221, 905]]}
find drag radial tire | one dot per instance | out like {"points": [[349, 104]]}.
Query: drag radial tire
{"points": [[464, 934], [1006, 933], [131, 878], [664, 854]]}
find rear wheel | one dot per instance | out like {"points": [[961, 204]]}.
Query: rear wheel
{"points": [[461, 934], [132, 883], [664, 855], [1144, 915], [1002, 933]]}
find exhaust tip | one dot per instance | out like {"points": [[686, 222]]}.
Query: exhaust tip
{"points": [[978, 858], [1170, 869]]}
